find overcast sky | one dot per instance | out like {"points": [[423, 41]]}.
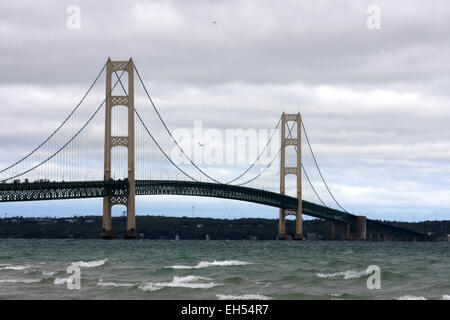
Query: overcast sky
{"points": [[376, 102]]}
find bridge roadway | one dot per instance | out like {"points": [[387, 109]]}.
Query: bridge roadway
{"points": [[10, 192], [98, 189]]}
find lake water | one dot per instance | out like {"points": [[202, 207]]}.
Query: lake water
{"points": [[145, 269]]}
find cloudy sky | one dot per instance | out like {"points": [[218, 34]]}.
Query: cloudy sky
{"points": [[375, 100]]}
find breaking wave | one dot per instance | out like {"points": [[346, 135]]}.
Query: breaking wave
{"points": [[206, 264], [243, 297], [349, 274], [20, 280], [13, 267], [335, 294], [102, 283], [410, 297], [59, 281], [193, 282], [89, 264]]}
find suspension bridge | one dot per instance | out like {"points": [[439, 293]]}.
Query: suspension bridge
{"points": [[116, 145]]}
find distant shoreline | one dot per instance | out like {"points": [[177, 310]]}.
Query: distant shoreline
{"points": [[185, 228]]}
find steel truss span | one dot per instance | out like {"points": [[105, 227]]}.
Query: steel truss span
{"points": [[97, 189], [61, 190], [215, 190], [10, 192]]}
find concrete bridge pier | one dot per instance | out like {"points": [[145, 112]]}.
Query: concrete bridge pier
{"points": [[282, 226], [337, 228], [355, 230], [360, 228], [347, 235], [333, 231]]}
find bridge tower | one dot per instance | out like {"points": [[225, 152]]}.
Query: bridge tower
{"points": [[289, 140], [119, 67]]}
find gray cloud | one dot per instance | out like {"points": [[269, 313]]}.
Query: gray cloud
{"points": [[375, 102]]}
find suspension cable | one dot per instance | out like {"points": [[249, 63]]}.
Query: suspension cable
{"points": [[303, 168], [182, 151], [314, 189], [76, 134], [154, 140], [262, 171], [168, 158], [161, 149], [60, 126], [259, 156], [318, 168], [170, 134]]}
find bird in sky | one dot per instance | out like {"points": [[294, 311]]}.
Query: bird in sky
{"points": [[215, 21], [201, 145]]}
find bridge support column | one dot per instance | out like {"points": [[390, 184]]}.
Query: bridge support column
{"points": [[360, 228], [333, 231], [347, 231], [289, 140], [344, 230], [107, 232], [282, 226], [127, 99]]}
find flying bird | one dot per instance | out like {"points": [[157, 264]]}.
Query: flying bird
{"points": [[201, 145], [215, 21]]}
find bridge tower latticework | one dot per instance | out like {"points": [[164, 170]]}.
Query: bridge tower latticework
{"points": [[128, 141], [288, 140]]}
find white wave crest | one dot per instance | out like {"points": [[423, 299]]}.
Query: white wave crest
{"points": [[206, 264], [193, 282], [149, 287], [446, 297], [349, 274], [243, 297], [102, 283], [89, 264], [410, 297], [20, 280], [12, 267], [48, 273], [335, 294], [59, 281]]}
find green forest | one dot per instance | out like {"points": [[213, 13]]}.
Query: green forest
{"points": [[160, 227]]}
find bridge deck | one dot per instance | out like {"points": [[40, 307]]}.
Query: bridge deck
{"points": [[97, 189]]}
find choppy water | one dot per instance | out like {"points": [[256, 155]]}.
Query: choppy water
{"points": [[36, 269]]}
